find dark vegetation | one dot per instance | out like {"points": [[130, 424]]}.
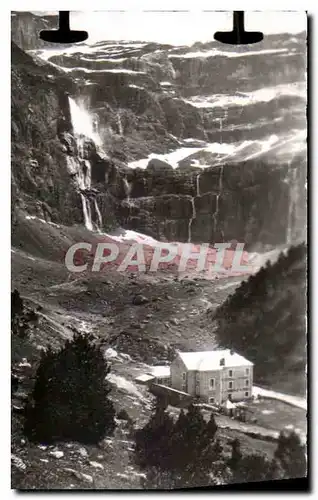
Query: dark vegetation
{"points": [[22, 319], [187, 453], [265, 319], [69, 400]]}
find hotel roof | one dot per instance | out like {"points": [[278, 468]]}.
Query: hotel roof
{"points": [[210, 360]]}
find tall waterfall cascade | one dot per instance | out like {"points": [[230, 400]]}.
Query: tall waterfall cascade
{"points": [[85, 127]]}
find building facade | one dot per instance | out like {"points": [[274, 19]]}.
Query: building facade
{"points": [[213, 376]]}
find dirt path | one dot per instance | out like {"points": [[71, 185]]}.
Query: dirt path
{"points": [[225, 422], [286, 398]]}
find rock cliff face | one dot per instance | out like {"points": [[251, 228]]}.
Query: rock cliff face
{"points": [[230, 156], [25, 28]]}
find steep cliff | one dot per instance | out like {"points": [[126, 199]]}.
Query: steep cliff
{"points": [[189, 147]]}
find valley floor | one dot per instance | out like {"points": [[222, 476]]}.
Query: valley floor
{"points": [[172, 316]]}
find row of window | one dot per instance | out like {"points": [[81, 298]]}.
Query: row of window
{"points": [[212, 380], [247, 371], [212, 400], [230, 384]]}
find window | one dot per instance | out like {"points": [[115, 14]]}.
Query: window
{"points": [[211, 400], [183, 376], [247, 371], [246, 383], [212, 383], [230, 373], [230, 385], [246, 394]]}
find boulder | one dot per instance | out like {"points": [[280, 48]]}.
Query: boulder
{"points": [[139, 300], [56, 454], [80, 475]]}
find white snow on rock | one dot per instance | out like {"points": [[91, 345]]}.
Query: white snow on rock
{"points": [[97, 465], [217, 52], [129, 235], [83, 452], [80, 475], [24, 363], [110, 353], [17, 462], [56, 454]]}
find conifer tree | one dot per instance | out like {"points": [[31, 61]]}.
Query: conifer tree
{"points": [[70, 395], [153, 442]]}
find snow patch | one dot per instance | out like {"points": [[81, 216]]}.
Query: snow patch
{"points": [[216, 52]]}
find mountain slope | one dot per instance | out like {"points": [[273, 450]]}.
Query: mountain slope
{"points": [[265, 320], [146, 105]]}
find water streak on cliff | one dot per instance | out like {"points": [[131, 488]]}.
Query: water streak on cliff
{"points": [[191, 219], [198, 184], [216, 213], [127, 189], [99, 215], [86, 212], [120, 126], [87, 174]]}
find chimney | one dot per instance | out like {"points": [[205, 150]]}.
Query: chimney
{"points": [[222, 362], [231, 351]]}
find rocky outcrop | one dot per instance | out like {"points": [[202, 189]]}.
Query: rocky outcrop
{"points": [[224, 203], [26, 26]]}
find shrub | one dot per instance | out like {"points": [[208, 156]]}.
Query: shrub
{"points": [[69, 400], [123, 415], [291, 455], [177, 454], [22, 319], [153, 443]]}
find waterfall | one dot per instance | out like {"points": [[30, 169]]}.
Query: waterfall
{"points": [[127, 189], [120, 125], [216, 213], [87, 212], [85, 126], [191, 220], [87, 174], [221, 180], [99, 215], [83, 123], [198, 184]]}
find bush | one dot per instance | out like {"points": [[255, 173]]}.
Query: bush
{"points": [[291, 454], [123, 415], [22, 319], [177, 454], [69, 400]]}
